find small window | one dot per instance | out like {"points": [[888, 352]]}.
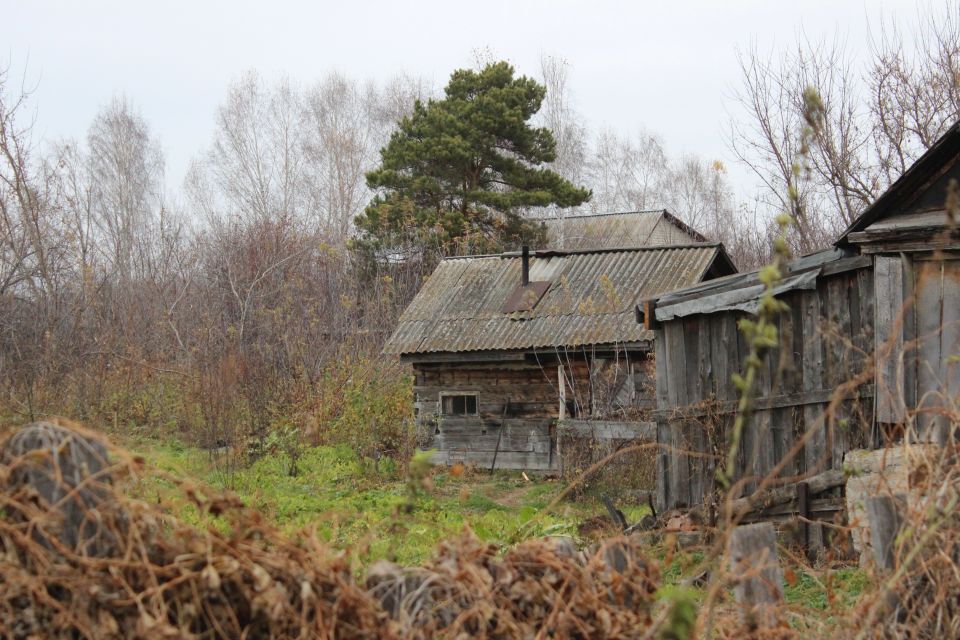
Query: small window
{"points": [[458, 405]]}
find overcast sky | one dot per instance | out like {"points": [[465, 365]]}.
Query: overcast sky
{"points": [[666, 66]]}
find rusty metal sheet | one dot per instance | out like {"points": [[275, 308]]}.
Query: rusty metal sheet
{"points": [[525, 298]]}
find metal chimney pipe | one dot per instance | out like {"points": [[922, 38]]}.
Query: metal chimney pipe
{"points": [[525, 273]]}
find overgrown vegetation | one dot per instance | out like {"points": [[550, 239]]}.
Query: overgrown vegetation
{"points": [[198, 561], [368, 506], [97, 564], [242, 356]]}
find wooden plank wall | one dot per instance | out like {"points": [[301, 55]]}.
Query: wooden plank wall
{"points": [[826, 339], [918, 337], [890, 321], [935, 369], [521, 398]]}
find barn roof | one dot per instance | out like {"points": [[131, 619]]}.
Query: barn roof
{"points": [[618, 230], [742, 291], [917, 197], [590, 301]]}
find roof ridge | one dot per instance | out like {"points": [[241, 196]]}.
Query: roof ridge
{"points": [[600, 215], [572, 252]]}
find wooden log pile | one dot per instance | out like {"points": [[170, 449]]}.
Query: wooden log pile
{"points": [[804, 503]]}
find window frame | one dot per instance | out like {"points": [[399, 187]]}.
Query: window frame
{"points": [[464, 394]]}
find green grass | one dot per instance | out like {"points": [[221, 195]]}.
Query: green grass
{"points": [[352, 506], [839, 588]]}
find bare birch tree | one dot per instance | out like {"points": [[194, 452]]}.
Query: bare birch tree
{"points": [[559, 114], [877, 120], [697, 191], [626, 174], [255, 164], [340, 143], [126, 172]]}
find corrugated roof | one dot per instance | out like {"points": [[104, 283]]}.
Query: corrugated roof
{"points": [[618, 230], [590, 301], [741, 291]]}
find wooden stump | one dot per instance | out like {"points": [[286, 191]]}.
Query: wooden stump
{"points": [[619, 520], [759, 587]]}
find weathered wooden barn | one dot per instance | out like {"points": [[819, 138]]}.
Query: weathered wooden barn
{"points": [[654, 227], [503, 346], [888, 293]]}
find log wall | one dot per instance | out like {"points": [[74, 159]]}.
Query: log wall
{"points": [[517, 404]]}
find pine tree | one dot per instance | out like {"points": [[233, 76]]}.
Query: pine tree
{"points": [[459, 170]]}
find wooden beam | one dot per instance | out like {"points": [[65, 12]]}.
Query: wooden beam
{"points": [[821, 396], [819, 509], [779, 495], [897, 234], [650, 315], [847, 264], [466, 356], [803, 513], [516, 460], [608, 430], [922, 245], [834, 262], [562, 386]]}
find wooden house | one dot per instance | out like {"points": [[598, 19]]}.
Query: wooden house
{"points": [[655, 227], [868, 349], [503, 346]]}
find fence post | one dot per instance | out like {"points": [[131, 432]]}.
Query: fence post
{"points": [[753, 558], [885, 522], [803, 516]]}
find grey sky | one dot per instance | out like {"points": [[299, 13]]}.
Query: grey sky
{"points": [[668, 67]]}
